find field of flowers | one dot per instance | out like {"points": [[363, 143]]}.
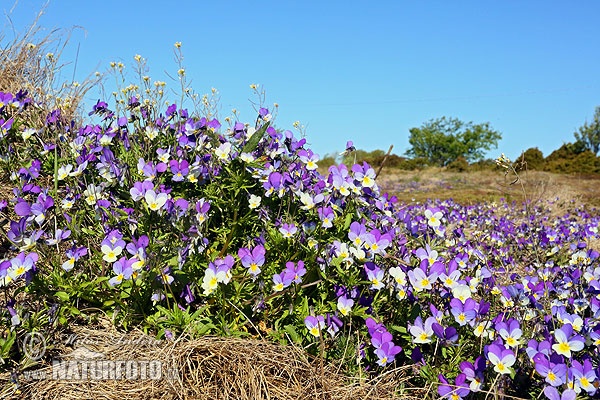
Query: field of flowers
{"points": [[166, 220]]}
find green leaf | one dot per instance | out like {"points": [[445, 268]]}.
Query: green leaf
{"points": [[291, 331], [253, 142], [62, 296], [74, 311], [6, 344], [348, 221], [88, 231], [203, 329], [336, 263]]}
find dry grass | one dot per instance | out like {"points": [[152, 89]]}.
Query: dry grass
{"points": [[31, 61], [563, 190], [205, 368]]}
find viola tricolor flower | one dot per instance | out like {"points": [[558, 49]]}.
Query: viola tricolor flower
{"points": [[123, 271], [501, 358], [155, 201], [252, 259], [344, 305], [315, 325], [566, 341], [288, 230], [422, 332], [73, 255]]}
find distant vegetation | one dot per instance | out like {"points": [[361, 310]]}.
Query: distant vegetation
{"points": [[460, 146]]}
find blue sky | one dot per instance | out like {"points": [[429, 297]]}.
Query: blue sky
{"points": [[357, 70]]}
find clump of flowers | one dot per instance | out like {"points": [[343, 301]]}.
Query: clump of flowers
{"points": [[164, 218]]}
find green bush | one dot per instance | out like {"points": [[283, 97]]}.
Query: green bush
{"points": [[530, 159], [572, 158], [411, 164], [484, 165], [458, 165]]}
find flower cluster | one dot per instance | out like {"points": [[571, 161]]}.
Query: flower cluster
{"points": [[167, 219]]}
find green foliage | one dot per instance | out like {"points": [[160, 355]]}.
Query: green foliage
{"points": [[531, 159], [443, 140], [376, 158], [484, 165], [327, 161], [459, 165], [572, 158], [412, 164], [359, 156], [589, 134]]}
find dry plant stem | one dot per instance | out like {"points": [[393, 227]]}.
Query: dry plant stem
{"points": [[384, 160], [527, 211]]}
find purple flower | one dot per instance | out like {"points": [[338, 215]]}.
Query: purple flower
{"points": [[377, 242], [5, 126], [349, 146], [420, 280], [73, 254], [180, 169], [326, 216], [357, 234], [458, 391], [315, 324], [379, 337], [448, 334], [187, 294], [252, 260], [364, 174], [22, 208], [566, 341], [139, 189], [463, 312], [20, 265], [99, 108], [156, 201], [474, 373], [17, 231], [123, 270], [288, 230], [375, 275], [309, 158], [217, 272], [274, 184], [422, 332], [374, 326], [554, 373], [344, 305], [59, 236], [295, 272], [501, 358], [584, 376], [510, 331], [387, 352], [202, 208], [553, 394]]}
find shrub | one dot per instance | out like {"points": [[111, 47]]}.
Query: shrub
{"points": [[485, 165], [530, 159], [411, 164], [572, 158], [458, 165], [361, 156]]}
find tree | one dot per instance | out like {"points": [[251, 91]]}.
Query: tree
{"points": [[589, 134], [443, 140]]}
